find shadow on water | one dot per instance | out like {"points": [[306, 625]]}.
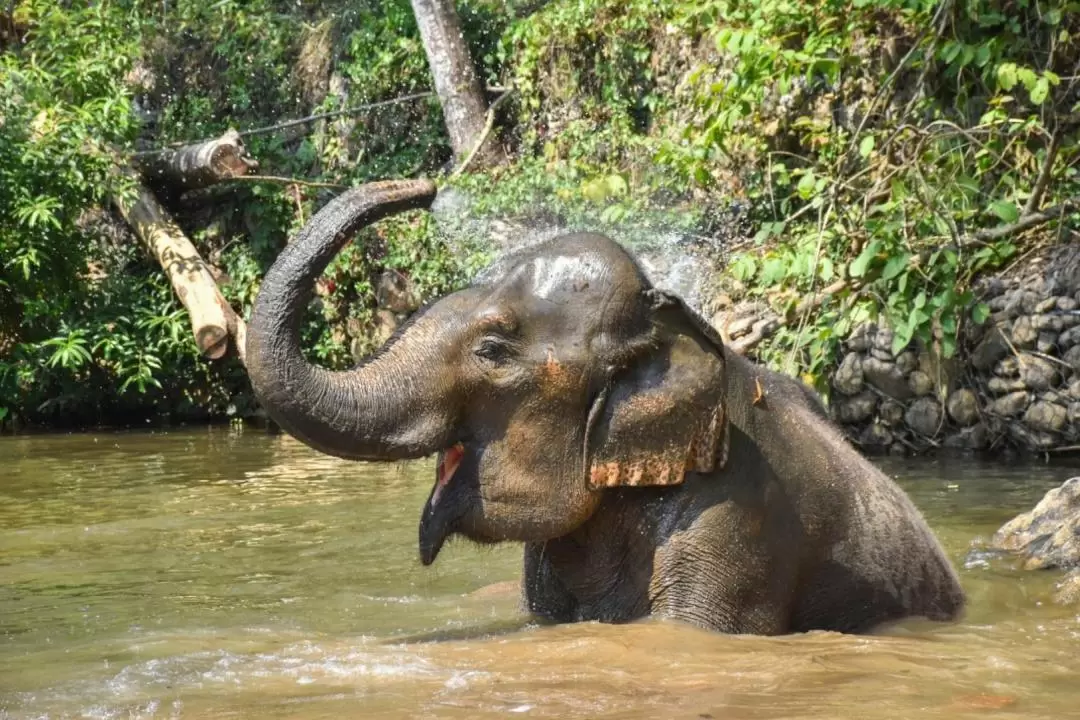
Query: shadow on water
{"points": [[213, 573]]}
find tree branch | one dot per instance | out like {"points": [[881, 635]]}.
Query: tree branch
{"points": [[1026, 222], [1044, 175]]}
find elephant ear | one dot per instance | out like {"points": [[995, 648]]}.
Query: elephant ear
{"points": [[662, 415]]}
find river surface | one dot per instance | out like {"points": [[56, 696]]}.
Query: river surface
{"points": [[226, 574]]}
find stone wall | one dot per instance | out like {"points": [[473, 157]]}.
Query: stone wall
{"points": [[1014, 385]]}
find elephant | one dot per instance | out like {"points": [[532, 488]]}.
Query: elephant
{"points": [[572, 406]]}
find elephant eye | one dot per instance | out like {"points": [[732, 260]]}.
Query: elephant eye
{"points": [[490, 349]]}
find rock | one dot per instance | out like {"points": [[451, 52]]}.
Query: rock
{"points": [[1049, 535], [920, 383], [857, 409], [886, 377], [883, 355], [1047, 341], [1072, 358], [1069, 338], [1065, 304], [991, 288], [1024, 333], [1048, 322], [875, 435], [924, 416], [396, 293], [1044, 416], [848, 378], [1000, 386], [1034, 440], [976, 437], [1029, 302], [907, 361], [1037, 374], [989, 351], [963, 407], [1067, 591], [1008, 367], [862, 337], [891, 412], [1074, 413], [1074, 390], [1053, 396], [1045, 305], [883, 340], [1009, 405]]}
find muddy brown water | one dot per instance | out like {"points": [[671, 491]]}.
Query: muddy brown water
{"points": [[226, 574]]}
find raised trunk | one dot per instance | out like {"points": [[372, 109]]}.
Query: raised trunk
{"points": [[383, 409], [460, 92]]}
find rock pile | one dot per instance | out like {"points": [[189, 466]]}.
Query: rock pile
{"points": [[1014, 384]]}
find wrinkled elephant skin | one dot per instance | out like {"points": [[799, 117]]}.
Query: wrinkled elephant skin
{"points": [[575, 408]]}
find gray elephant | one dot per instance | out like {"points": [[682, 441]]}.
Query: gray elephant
{"points": [[579, 410]]}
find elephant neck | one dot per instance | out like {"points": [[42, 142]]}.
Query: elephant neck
{"points": [[606, 565]]}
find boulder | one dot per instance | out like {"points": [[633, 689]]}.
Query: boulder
{"points": [[989, 351], [1001, 386], [876, 435], [907, 361], [1072, 357], [848, 379], [1046, 416], [1048, 536], [963, 407], [920, 383], [1024, 333], [857, 409], [976, 437], [1037, 374], [892, 412], [924, 416], [862, 337], [886, 377], [1012, 404]]}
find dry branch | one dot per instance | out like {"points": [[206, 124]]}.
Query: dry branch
{"points": [[213, 321], [1026, 222], [196, 166]]}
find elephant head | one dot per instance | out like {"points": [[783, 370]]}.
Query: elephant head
{"points": [[540, 387]]}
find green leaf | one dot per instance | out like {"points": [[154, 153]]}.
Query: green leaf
{"points": [[1007, 211], [1006, 76], [895, 265], [980, 313], [860, 264], [1040, 92], [806, 185], [866, 146]]}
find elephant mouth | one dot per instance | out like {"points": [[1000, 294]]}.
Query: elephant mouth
{"points": [[446, 503]]}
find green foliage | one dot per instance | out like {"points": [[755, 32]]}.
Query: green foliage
{"points": [[870, 141]]}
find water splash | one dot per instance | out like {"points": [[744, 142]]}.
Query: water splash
{"points": [[673, 258]]}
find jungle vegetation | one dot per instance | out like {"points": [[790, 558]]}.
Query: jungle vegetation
{"points": [[876, 156]]}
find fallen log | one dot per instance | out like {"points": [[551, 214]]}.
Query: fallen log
{"points": [[196, 166], [213, 321]]}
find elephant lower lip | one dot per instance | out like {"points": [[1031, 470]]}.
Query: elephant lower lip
{"points": [[449, 461]]}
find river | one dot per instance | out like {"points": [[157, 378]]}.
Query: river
{"points": [[232, 574]]}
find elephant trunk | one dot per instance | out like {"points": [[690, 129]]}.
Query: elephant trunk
{"points": [[380, 410]]}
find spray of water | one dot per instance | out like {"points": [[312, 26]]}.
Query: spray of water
{"points": [[675, 259]]}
